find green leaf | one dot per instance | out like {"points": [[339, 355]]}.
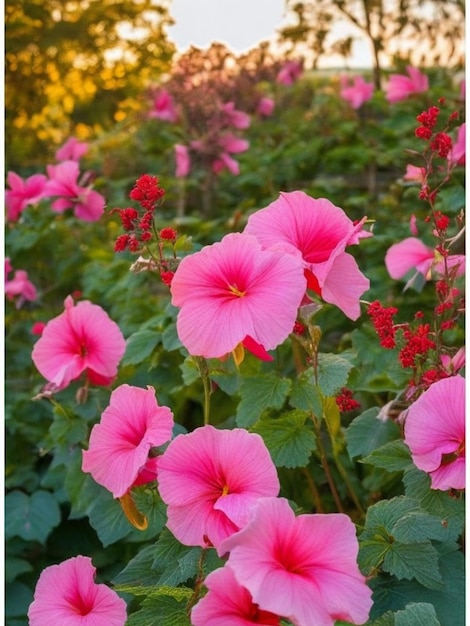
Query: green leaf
{"points": [[417, 614], [393, 456], [391, 594], [140, 345], [160, 611], [14, 567], [67, 429], [170, 339], [174, 561], [289, 438], [259, 393], [305, 395], [416, 560], [189, 371], [333, 372], [367, 432], [31, 517], [138, 575]]}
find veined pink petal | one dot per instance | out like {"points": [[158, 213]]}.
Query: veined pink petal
{"points": [[400, 87], [67, 594], [198, 470], [63, 179], [411, 253], [228, 603], [291, 567], [435, 433], [119, 445], [234, 289], [344, 284]]}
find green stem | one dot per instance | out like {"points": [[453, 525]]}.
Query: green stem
{"points": [[315, 493], [204, 372], [198, 584], [326, 467]]}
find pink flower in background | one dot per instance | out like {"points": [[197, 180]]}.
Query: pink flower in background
{"points": [[22, 193], [457, 153], [400, 87], [164, 107], [38, 328], [455, 363], [183, 163], [356, 93], [210, 479], [412, 253], [265, 107], [66, 594], [233, 117], [227, 602], [20, 286], [232, 291], [118, 451], [414, 174], [86, 203], [289, 73], [225, 162], [72, 150], [303, 568], [232, 144], [318, 232], [435, 433], [81, 339]]}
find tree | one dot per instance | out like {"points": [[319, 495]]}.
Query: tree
{"points": [[75, 67], [420, 33]]}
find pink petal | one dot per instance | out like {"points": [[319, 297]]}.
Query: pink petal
{"points": [[411, 253]]}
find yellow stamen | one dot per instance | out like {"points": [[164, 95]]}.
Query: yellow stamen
{"points": [[135, 517], [225, 490], [235, 290]]}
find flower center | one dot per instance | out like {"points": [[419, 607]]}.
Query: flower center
{"points": [[236, 291]]}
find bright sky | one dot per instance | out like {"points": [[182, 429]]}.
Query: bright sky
{"points": [[241, 25]]}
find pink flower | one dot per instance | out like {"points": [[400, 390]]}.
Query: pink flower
{"points": [[67, 594], [22, 193], [318, 232], [235, 118], [414, 174], [38, 328], [232, 144], [400, 87], [289, 73], [356, 93], [412, 253], [265, 107], [118, 451], [20, 286], [435, 433], [225, 162], [210, 479], [183, 163], [233, 291], [455, 363], [72, 150], [86, 203], [227, 602], [81, 339], [303, 568], [164, 107], [457, 153]]}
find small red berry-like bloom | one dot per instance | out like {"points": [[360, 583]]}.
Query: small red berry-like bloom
{"points": [[418, 344], [167, 277], [447, 324], [145, 222], [454, 116], [121, 243], [145, 236], [423, 132], [428, 118], [147, 191], [442, 289], [345, 401], [168, 234], [432, 376], [419, 315], [442, 144], [128, 217], [443, 307], [442, 221], [382, 319], [298, 329]]}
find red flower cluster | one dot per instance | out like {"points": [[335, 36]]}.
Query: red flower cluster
{"points": [[138, 224], [346, 402], [418, 343], [382, 319], [442, 144]]}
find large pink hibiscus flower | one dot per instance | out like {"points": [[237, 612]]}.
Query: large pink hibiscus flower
{"points": [[318, 232], [210, 479], [81, 339], [435, 433], [66, 594], [303, 568], [118, 452], [233, 292]]}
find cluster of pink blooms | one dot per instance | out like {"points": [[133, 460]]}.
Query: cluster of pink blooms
{"points": [[246, 289], [63, 182], [402, 86], [355, 90], [18, 288]]}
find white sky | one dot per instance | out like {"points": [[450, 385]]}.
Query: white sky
{"points": [[241, 25]]}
